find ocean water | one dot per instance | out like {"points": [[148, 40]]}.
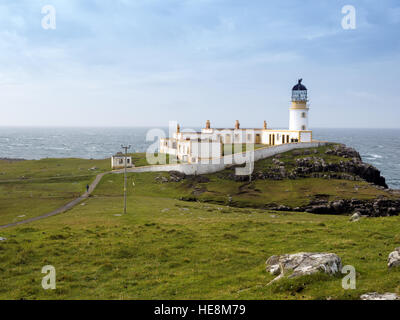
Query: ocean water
{"points": [[379, 147]]}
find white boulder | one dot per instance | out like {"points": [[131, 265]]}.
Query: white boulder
{"points": [[355, 217], [303, 263], [379, 296], [394, 258]]}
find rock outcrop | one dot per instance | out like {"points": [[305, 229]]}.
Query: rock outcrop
{"points": [[341, 150], [379, 296], [176, 176], [371, 208], [350, 168], [394, 258], [303, 263], [12, 159]]}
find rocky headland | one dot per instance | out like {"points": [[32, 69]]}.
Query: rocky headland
{"points": [[336, 162]]}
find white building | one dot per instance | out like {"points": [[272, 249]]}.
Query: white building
{"points": [[210, 143], [118, 161]]}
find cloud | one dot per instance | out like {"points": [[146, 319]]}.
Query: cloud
{"points": [[212, 55]]}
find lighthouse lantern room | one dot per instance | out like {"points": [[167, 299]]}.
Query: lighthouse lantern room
{"points": [[298, 119]]}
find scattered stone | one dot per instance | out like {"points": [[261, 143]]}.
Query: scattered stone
{"points": [[93, 169], [303, 263], [165, 210], [379, 296], [355, 217], [83, 204], [161, 179], [21, 216], [117, 215], [282, 208], [176, 176], [370, 208], [394, 258], [199, 178], [3, 239], [297, 152]]}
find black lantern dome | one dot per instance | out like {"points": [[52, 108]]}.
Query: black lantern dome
{"points": [[299, 92]]}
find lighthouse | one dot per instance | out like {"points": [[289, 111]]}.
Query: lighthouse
{"points": [[298, 118]]}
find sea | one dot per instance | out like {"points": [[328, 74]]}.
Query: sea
{"points": [[379, 147]]}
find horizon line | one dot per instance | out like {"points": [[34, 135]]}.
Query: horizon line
{"points": [[155, 126]]}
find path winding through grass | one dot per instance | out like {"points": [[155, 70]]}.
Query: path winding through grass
{"points": [[62, 209]]}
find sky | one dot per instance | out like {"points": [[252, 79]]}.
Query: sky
{"points": [[148, 62]]}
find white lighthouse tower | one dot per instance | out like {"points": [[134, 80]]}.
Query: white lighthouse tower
{"points": [[299, 108]]}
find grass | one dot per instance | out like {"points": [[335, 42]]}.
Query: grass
{"points": [[240, 147], [139, 159], [165, 248], [33, 187]]}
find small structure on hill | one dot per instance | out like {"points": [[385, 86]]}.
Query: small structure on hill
{"points": [[118, 161]]}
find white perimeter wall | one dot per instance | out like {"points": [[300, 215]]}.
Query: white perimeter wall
{"points": [[220, 164]]}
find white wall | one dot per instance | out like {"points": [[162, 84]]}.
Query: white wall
{"points": [[220, 164], [296, 121], [305, 136], [119, 162], [205, 150]]}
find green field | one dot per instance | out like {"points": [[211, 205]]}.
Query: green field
{"points": [[166, 248]]}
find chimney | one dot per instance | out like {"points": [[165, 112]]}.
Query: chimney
{"points": [[178, 128], [208, 124], [237, 124], [265, 124]]}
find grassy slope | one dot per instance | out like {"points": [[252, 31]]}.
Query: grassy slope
{"points": [[192, 250], [263, 192], [34, 187]]}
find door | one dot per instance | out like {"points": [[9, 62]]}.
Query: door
{"points": [[258, 138]]}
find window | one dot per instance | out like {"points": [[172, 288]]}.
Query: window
{"points": [[127, 161], [249, 137], [303, 114], [236, 137], [303, 127], [121, 161]]}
